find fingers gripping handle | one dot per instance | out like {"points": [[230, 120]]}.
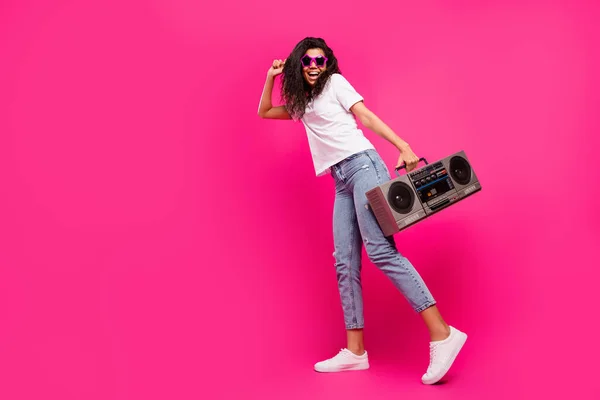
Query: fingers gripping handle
{"points": [[404, 165]]}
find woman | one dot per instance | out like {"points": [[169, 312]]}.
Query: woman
{"points": [[316, 93]]}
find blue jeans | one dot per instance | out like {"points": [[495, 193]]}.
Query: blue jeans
{"points": [[354, 224]]}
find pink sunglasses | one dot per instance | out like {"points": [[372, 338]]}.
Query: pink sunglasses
{"points": [[319, 61]]}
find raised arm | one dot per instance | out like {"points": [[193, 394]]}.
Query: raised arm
{"points": [[265, 107]]}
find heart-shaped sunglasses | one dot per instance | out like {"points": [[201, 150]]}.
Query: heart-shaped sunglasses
{"points": [[319, 61]]}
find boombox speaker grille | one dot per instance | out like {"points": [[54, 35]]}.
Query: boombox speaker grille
{"points": [[460, 170], [401, 197]]}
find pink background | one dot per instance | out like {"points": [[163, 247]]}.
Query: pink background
{"points": [[160, 241]]}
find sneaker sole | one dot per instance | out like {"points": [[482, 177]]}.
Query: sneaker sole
{"points": [[357, 367], [461, 340]]}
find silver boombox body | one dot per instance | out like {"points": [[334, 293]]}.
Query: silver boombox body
{"points": [[407, 199]]}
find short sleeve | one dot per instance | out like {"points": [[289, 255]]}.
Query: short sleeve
{"points": [[344, 92]]}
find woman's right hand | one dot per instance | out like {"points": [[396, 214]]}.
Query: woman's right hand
{"points": [[276, 68]]}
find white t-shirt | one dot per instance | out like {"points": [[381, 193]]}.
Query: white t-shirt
{"points": [[333, 133]]}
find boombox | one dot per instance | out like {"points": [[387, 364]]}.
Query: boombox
{"points": [[410, 198]]}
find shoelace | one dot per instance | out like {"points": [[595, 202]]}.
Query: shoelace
{"points": [[432, 354], [340, 354]]}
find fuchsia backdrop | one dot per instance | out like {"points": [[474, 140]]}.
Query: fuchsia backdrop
{"points": [[160, 241]]}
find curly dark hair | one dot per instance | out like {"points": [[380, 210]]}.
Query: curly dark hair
{"points": [[295, 91]]}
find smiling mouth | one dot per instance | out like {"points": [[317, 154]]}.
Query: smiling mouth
{"points": [[314, 74]]}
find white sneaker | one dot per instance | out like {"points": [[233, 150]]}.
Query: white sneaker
{"points": [[345, 360], [442, 355]]}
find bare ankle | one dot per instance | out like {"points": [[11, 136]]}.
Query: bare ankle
{"points": [[440, 333], [355, 341], [359, 351]]}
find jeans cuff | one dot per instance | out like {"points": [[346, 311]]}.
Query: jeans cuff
{"points": [[425, 306], [355, 326]]}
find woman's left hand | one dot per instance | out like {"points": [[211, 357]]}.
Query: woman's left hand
{"points": [[408, 157]]}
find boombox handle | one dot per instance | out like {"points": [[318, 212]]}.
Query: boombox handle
{"points": [[404, 165]]}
